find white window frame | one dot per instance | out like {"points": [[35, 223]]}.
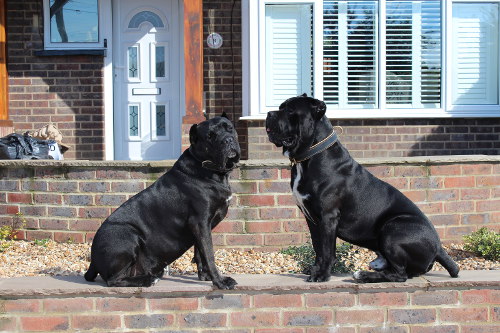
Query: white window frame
{"points": [[104, 7], [253, 57]]}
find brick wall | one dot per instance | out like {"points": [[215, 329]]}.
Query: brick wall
{"points": [[400, 137], [416, 306], [69, 199], [64, 90]]}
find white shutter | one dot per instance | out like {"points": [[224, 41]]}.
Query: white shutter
{"points": [[475, 53], [413, 54], [288, 52], [350, 53]]}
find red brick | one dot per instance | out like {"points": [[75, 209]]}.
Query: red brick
{"points": [[445, 220], [173, 304], [25, 198], [459, 182], [444, 170], [45, 198], [474, 194], [20, 305], [337, 329], [44, 323], [412, 316], [148, 321], [7, 324], [488, 181], [121, 304], [409, 171], [475, 219], [295, 226], [381, 171], [463, 314], [244, 239], [259, 174], [383, 299], [435, 329], [307, 318], [361, 317], [277, 301], [226, 301], [288, 200], [426, 183], [399, 183], [488, 206], [87, 322], [434, 297], [384, 329], [476, 296], [67, 305], [256, 200], [280, 330], [263, 227], [254, 319], [278, 213], [286, 174], [430, 207], [274, 187], [481, 328], [239, 213], [284, 239], [75, 237], [459, 207], [229, 227], [443, 195], [330, 299], [415, 196], [477, 169]]}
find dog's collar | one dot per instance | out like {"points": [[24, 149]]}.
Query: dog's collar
{"points": [[209, 165], [317, 148]]}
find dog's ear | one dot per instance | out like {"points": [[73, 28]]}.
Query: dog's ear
{"points": [[319, 108], [193, 134], [303, 95], [224, 115]]}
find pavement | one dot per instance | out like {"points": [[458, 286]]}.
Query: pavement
{"points": [[190, 285]]}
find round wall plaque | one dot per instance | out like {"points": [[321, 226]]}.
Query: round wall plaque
{"points": [[214, 40]]}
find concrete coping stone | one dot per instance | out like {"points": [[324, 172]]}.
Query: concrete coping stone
{"points": [[175, 286], [256, 163]]}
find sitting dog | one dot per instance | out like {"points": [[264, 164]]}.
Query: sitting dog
{"points": [[156, 226], [340, 198]]}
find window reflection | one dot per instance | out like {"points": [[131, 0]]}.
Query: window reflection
{"points": [[74, 21]]}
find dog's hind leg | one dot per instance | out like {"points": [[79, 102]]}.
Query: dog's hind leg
{"points": [[445, 260], [133, 281]]}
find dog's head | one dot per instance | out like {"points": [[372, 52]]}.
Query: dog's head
{"points": [[292, 126], [215, 143]]}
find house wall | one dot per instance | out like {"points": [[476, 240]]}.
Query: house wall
{"points": [[364, 138], [64, 90], [68, 91], [68, 200]]}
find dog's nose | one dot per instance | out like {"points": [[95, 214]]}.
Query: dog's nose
{"points": [[228, 140]]}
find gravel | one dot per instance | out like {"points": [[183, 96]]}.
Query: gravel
{"points": [[24, 258]]}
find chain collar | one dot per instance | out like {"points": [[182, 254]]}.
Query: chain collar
{"points": [[317, 148]]}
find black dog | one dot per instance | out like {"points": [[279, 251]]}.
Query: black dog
{"points": [[340, 198], [156, 226]]}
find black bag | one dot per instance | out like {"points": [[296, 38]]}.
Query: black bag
{"points": [[23, 147]]}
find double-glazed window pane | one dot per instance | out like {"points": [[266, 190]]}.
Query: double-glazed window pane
{"points": [[349, 53], [74, 21], [413, 54], [288, 67], [475, 53]]}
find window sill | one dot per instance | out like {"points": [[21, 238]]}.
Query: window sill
{"points": [[50, 53]]}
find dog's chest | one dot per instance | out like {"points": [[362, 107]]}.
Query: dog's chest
{"points": [[300, 198]]}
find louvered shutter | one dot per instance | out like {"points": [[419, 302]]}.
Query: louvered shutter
{"points": [[350, 53], [475, 53], [413, 54], [288, 52]]}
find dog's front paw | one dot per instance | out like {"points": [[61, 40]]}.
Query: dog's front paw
{"points": [[225, 283], [361, 276], [204, 276], [318, 277]]}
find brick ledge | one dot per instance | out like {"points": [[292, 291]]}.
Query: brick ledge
{"points": [[418, 160], [247, 283]]}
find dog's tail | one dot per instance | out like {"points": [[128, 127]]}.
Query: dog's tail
{"points": [[91, 273], [445, 260]]}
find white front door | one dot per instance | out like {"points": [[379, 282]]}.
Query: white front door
{"points": [[146, 57]]}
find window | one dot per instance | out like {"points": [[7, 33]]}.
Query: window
{"points": [[373, 59], [71, 24]]}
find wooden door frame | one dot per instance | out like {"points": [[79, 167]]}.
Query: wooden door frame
{"points": [[193, 61], [4, 78]]}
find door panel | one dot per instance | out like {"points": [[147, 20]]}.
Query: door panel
{"points": [[146, 72]]}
